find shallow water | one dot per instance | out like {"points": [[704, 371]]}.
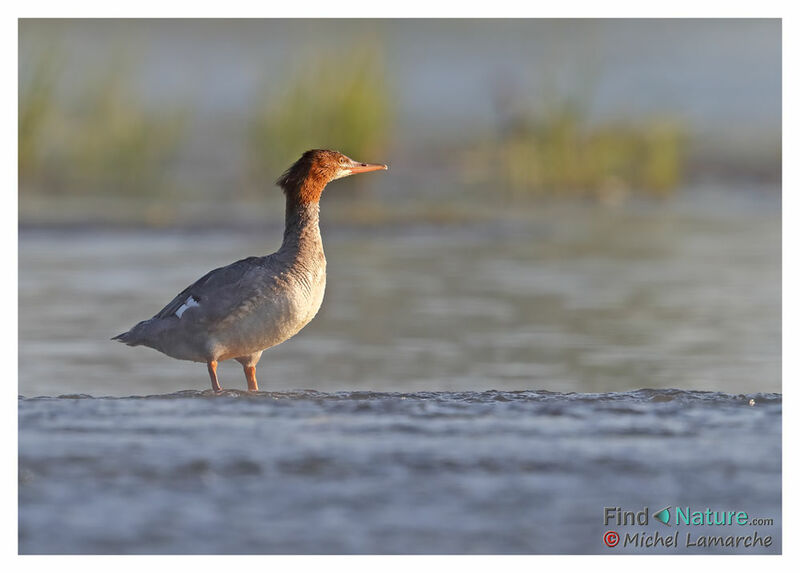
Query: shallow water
{"points": [[373, 472], [682, 294]]}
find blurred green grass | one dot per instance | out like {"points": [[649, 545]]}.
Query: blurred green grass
{"points": [[119, 144], [105, 140], [36, 102], [344, 104], [102, 140], [559, 153]]}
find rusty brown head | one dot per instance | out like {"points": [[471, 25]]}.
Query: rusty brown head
{"points": [[308, 176]]}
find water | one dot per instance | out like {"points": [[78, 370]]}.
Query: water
{"points": [[560, 310], [563, 298], [376, 472]]}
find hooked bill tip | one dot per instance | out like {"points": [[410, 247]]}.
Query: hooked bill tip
{"points": [[367, 167]]}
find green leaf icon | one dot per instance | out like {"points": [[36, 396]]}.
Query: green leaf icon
{"points": [[663, 515]]}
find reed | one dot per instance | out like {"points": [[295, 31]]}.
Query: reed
{"points": [[345, 106], [104, 140], [560, 153], [119, 144], [36, 102]]}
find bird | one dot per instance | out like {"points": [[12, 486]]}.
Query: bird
{"points": [[240, 310]]}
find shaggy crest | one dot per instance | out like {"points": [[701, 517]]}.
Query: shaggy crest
{"points": [[307, 177]]}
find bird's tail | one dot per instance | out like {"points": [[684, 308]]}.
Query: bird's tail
{"points": [[146, 333], [124, 337], [136, 335]]}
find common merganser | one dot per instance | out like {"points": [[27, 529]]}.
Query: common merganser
{"points": [[240, 310]]}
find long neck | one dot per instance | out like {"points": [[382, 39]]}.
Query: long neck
{"points": [[301, 236]]}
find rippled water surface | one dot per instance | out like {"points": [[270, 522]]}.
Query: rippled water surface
{"points": [[365, 472]]}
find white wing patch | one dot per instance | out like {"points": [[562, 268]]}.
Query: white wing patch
{"points": [[190, 302]]}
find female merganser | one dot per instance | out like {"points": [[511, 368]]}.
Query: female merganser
{"points": [[240, 310]]}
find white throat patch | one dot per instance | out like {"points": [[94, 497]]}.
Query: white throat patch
{"points": [[341, 173]]}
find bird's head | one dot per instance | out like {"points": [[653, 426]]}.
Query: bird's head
{"points": [[307, 177]]}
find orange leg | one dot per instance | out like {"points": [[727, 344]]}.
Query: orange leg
{"points": [[250, 373], [212, 372]]}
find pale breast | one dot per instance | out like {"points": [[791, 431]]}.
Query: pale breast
{"points": [[273, 318]]}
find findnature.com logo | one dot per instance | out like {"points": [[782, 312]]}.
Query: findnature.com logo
{"points": [[682, 516]]}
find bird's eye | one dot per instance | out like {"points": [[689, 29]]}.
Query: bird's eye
{"points": [[341, 160]]}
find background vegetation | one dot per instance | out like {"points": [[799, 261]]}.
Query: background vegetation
{"points": [[346, 106], [100, 115], [104, 140], [560, 153]]}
